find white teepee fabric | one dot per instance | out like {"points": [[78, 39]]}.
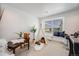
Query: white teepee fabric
{"points": [[41, 33]]}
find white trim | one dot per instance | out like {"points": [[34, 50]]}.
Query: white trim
{"points": [[43, 21]]}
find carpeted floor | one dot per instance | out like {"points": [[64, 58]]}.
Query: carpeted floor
{"points": [[53, 48]]}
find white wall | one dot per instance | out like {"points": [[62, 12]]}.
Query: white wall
{"points": [[71, 20], [15, 20]]}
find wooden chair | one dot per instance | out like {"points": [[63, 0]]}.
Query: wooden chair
{"points": [[27, 38]]}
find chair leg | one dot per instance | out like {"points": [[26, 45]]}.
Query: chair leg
{"points": [[28, 45]]}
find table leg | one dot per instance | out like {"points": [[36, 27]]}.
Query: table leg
{"points": [[20, 45], [13, 51]]}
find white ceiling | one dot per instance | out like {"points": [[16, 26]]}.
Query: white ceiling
{"points": [[43, 9]]}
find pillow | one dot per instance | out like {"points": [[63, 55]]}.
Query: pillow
{"points": [[56, 33], [62, 34], [3, 48], [3, 43]]}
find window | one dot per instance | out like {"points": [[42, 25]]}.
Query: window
{"points": [[54, 25]]}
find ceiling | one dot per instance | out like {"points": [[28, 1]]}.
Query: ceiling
{"points": [[43, 9]]}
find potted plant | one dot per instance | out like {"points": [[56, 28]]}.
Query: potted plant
{"points": [[20, 35], [33, 30]]}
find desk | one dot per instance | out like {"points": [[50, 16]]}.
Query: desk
{"points": [[75, 42], [17, 40], [13, 44]]}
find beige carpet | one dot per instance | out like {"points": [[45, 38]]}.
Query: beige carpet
{"points": [[53, 48]]}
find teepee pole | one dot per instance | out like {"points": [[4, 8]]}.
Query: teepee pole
{"points": [[1, 13]]}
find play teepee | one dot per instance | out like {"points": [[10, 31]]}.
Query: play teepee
{"points": [[41, 33]]}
